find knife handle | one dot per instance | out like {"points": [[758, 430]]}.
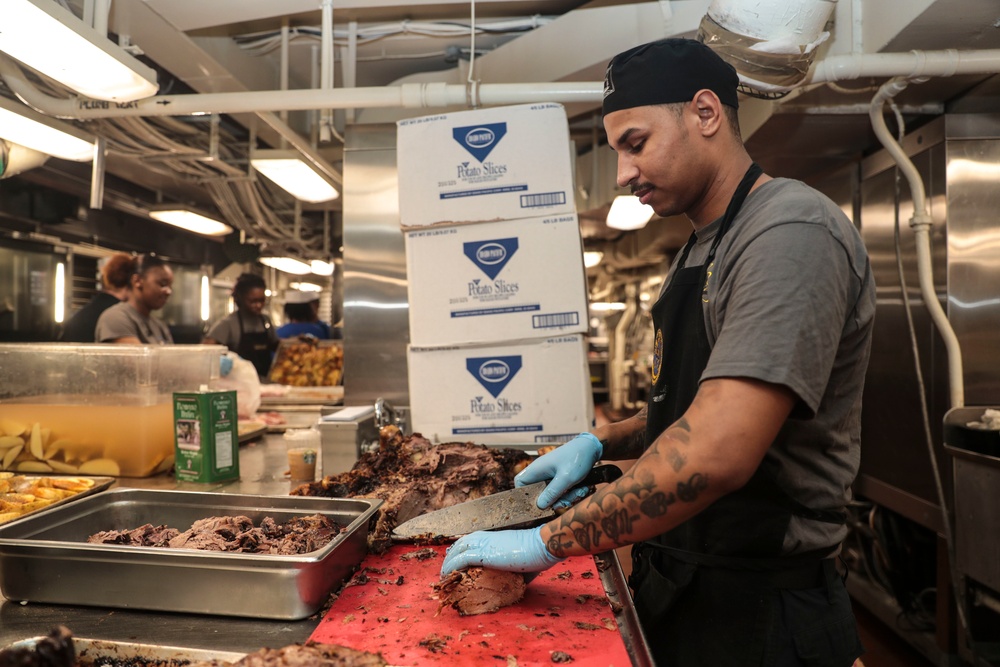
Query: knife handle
{"points": [[601, 474]]}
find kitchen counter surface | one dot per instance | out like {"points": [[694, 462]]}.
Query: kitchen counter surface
{"points": [[263, 465]]}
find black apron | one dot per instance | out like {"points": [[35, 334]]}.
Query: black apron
{"points": [[718, 573], [255, 346]]}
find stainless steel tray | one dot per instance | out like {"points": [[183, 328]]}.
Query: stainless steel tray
{"points": [[93, 652], [46, 558], [100, 483]]}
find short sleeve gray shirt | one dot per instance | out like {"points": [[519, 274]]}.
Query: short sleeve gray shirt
{"points": [[123, 321], [790, 300], [227, 330]]}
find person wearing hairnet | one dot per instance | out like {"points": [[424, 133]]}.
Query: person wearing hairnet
{"points": [[750, 441], [302, 314]]}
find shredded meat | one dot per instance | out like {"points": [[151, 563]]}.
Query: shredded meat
{"points": [[308, 655], [480, 591], [55, 650], [298, 535], [414, 476]]}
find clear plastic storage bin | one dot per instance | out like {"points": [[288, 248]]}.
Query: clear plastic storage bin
{"points": [[95, 409]]}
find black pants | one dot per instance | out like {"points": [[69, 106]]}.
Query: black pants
{"points": [[699, 616]]}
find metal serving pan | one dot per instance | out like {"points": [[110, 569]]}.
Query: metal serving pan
{"points": [[46, 558], [96, 652]]}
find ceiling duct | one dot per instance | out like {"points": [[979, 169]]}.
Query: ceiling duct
{"points": [[771, 43]]}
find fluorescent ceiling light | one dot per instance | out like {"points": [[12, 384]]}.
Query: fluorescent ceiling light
{"points": [[50, 39], [286, 264], [627, 213], [293, 174], [185, 218], [306, 287], [604, 306], [321, 268], [25, 126], [592, 258]]}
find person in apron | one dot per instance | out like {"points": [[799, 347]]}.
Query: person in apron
{"points": [[247, 331], [735, 506]]}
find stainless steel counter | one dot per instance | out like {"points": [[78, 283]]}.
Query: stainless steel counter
{"points": [[263, 463]]}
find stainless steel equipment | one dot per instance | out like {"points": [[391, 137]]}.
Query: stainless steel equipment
{"points": [[46, 558], [376, 310], [344, 436]]}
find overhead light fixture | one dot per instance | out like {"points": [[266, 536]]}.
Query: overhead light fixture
{"points": [[306, 287], [592, 258], [50, 39], [606, 307], [288, 170], [627, 213], [321, 268], [26, 127], [206, 299], [59, 311], [185, 218], [286, 264]]}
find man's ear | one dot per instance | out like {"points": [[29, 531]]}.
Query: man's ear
{"points": [[709, 109]]}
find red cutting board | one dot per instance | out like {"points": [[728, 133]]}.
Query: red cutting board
{"points": [[393, 613]]}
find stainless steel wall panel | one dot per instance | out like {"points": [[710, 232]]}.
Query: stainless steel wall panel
{"points": [[974, 263], [376, 308]]}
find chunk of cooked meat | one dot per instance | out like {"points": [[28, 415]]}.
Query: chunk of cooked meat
{"points": [[480, 591], [54, 650], [412, 476]]}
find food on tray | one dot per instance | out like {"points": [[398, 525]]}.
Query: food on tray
{"points": [[477, 590], [244, 428], [298, 535], [271, 418], [20, 495], [54, 650], [414, 476], [57, 650], [87, 439], [308, 364], [310, 653]]}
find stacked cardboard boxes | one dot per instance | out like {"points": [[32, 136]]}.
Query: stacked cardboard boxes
{"points": [[497, 289]]}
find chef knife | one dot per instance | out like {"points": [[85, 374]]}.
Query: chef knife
{"points": [[515, 508]]}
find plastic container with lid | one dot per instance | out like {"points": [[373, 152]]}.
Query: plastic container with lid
{"points": [[95, 409]]}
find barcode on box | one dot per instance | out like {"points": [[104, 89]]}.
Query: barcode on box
{"points": [[560, 438], [543, 199], [555, 320]]}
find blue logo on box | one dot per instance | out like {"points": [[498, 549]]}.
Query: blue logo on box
{"points": [[494, 373], [492, 255], [479, 140]]}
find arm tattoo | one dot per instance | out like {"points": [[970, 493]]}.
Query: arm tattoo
{"points": [[675, 459], [618, 523], [690, 490], [656, 504], [557, 547], [587, 535]]}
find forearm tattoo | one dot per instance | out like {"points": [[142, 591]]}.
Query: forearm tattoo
{"points": [[611, 517]]}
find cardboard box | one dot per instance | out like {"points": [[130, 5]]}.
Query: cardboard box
{"points": [[531, 391], [501, 163], [206, 442], [496, 281]]}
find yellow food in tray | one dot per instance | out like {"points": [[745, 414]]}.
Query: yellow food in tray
{"points": [[20, 494], [303, 363], [29, 447]]}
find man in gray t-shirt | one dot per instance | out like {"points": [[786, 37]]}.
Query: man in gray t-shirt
{"points": [[749, 443]]}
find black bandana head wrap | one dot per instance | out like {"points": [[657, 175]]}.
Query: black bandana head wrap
{"points": [[665, 72]]}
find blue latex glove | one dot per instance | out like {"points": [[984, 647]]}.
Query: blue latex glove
{"points": [[511, 550], [565, 466], [225, 365]]}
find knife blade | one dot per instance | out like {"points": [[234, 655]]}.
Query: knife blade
{"points": [[515, 508]]}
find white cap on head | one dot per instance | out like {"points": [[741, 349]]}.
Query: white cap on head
{"points": [[299, 296]]}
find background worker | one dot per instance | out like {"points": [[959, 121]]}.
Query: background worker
{"points": [[247, 331], [132, 321], [116, 281], [302, 315], [750, 441]]}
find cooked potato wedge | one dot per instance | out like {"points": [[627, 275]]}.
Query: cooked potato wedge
{"points": [[11, 454], [33, 466], [11, 427], [36, 441], [8, 441], [108, 467]]}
